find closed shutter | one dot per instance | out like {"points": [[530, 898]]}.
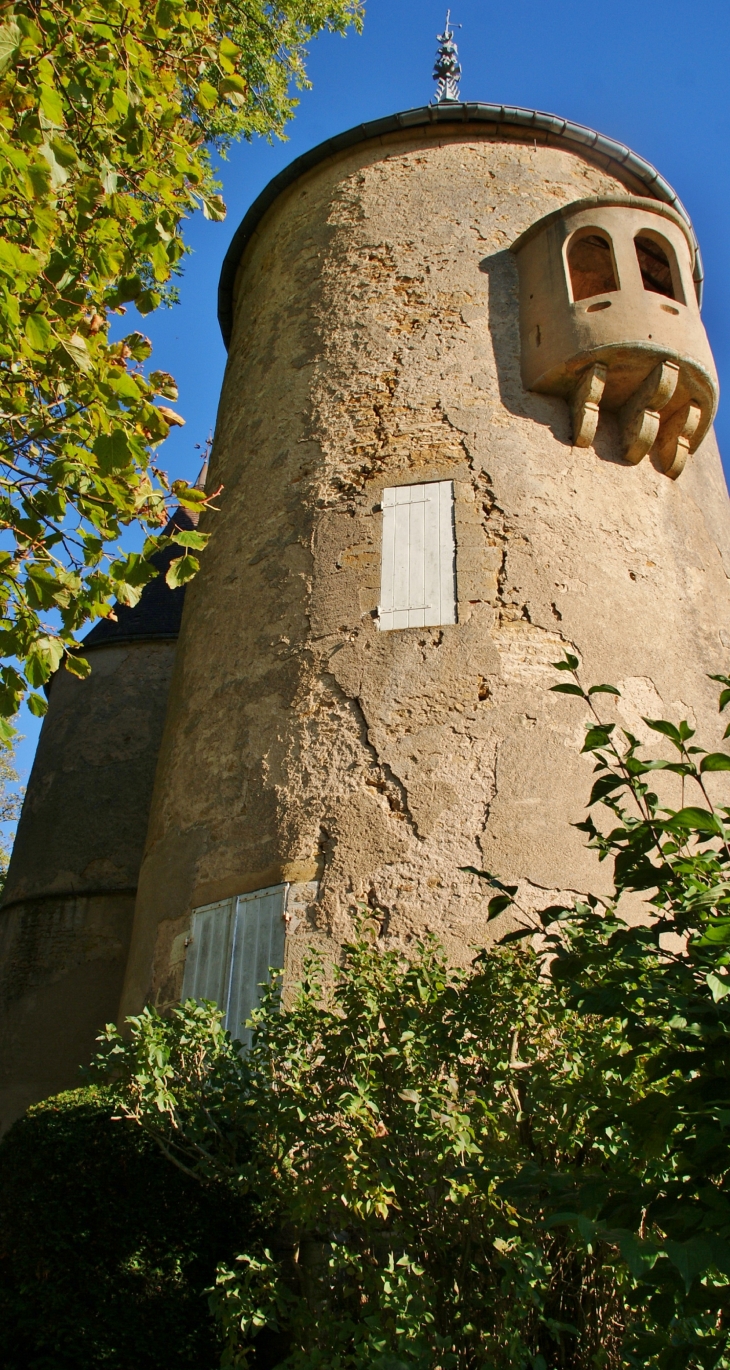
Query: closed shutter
{"points": [[231, 948], [417, 586], [258, 944], [207, 959]]}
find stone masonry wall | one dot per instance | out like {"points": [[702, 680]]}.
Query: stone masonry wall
{"points": [[376, 343]]}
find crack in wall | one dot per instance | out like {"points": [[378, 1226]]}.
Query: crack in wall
{"points": [[386, 781]]}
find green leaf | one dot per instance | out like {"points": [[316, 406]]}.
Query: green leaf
{"points": [[148, 301], [162, 383], [598, 737], [719, 986], [568, 690], [690, 1258], [603, 787], [232, 83], [715, 761], [45, 657], [38, 332], [113, 451], [604, 690], [695, 820], [228, 49], [207, 96], [182, 570], [554, 913], [128, 288], [14, 262], [9, 43], [188, 495], [715, 933], [78, 351], [59, 174], [140, 348], [77, 665], [571, 663], [189, 537], [64, 153], [640, 1256], [660, 725], [37, 705], [214, 208], [498, 905], [52, 106]]}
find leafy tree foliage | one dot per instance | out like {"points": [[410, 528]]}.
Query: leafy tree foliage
{"points": [[106, 1251], [522, 1165], [11, 799], [107, 114], [663, 1199]]}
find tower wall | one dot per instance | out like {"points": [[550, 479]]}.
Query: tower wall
{"points": [[375, 344], [69, 898]]}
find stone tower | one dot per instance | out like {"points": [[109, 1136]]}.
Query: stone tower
{"points": [[465, 424], [68, 902]]}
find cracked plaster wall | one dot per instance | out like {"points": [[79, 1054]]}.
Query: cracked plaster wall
{"points": [[376, 343]]}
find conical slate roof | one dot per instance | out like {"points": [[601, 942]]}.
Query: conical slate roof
{"points": [[158, 612]]}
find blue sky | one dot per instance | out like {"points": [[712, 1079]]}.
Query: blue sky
{"points": [[654, 76]]}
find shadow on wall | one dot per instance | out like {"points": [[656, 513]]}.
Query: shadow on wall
{"points": [[504, 326]]}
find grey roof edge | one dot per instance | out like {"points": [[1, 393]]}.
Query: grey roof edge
{"points": [[507, 116]]}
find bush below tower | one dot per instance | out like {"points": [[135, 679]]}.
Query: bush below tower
{"points": [[106, 1250]]}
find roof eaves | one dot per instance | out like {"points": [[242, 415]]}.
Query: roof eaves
{"points": [[550, 125]]}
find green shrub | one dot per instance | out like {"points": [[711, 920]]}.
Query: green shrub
{"points": [[380, 1123], [106, 1250], [520, 1166]]}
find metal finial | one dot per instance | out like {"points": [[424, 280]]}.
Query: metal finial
{"points": [[447, 70]]}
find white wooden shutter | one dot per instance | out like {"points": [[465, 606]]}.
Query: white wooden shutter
{"points": [[417, 584], [231, 948], [257, 945]]}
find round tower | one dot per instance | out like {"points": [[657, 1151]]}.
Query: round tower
{"points": [[68, 901], [465, 425]]}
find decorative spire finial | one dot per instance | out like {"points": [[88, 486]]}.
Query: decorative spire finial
{"points": [[447, 70]]}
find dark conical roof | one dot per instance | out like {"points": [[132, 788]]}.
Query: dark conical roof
{"points": [[158, 612], [159, 609]]}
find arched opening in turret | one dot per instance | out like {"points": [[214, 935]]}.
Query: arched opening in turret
{"points": [[658, 266], [591, 265]]}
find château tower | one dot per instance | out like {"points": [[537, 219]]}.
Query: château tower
{"points": [[466, 424]]}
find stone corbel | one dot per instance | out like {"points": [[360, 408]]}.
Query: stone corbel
{"points": [[584, 403], [640, 416], [675, 437]]}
